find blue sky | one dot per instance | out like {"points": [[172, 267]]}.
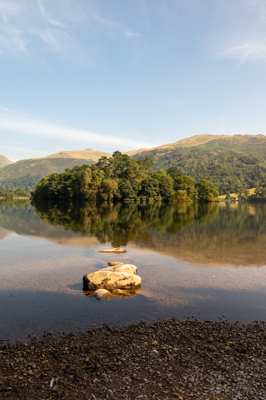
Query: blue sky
{"points": [[128, 74]]}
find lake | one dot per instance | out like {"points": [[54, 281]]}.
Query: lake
{"points": [[206, 261]]}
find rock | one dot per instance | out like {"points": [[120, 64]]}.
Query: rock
{"points": [[126, 268], [111, 280], [116, 250], [114, 263], [101, 294]]}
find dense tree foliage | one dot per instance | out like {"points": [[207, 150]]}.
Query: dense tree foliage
{"points": [[121, 178], [227, 169]]}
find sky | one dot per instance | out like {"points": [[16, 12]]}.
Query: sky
{"points": [[128, 74]]}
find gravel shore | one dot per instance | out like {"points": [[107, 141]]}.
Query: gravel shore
{"points": [[168, 359]]}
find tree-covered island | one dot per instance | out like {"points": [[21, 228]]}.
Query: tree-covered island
{"points": [[120, 178]]}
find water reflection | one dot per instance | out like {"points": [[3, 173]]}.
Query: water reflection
{"points": [[225, 233], [46, 252], [218, 234], [102, 294], [121, 223]]}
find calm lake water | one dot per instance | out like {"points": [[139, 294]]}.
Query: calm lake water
{"points": [[194, 260]]}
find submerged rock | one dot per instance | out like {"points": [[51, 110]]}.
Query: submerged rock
{"points": [[117, 250], [111, 280], [101, 294]]}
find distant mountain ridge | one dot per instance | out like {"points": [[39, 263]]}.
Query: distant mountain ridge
{"points": [[30, 171], [227, 161], [87, 154], [206, 140], [4, 161]]}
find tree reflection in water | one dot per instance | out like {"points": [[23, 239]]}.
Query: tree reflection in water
{"points": [[121, 223]]}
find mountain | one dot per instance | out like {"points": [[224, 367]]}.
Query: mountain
{"points": [[30, 171], [4, 161], [227, 161]]}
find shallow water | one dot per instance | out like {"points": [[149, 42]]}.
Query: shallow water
{"points": [[206, 261]]}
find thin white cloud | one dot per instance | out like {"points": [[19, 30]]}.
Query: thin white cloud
{"points": [[9, 9], [251, 50], [25, 126], [32, 26], [22, 149], [131, 33], [46, 16], [243, 34]]}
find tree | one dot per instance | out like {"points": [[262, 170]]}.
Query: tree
{"points": [[228, 197], [85, 180], [108, 189], [166, 184], [174, 172], [243, 192], [150, 187], [207, 191], [147, 163], [180, 196], [188, 184], [126, 191]]}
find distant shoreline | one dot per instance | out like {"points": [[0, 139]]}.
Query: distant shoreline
{"points": [[15, 198]]}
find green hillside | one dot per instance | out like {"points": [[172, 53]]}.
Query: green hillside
{"points": [[29, 172], [4, 161], [227, 161]]}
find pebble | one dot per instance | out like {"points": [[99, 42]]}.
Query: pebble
{"points": [[168, 359]]}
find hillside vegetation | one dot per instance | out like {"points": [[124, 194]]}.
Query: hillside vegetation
{"points": [[227, 161], [4, 161], [230, 162], [29, 172]]}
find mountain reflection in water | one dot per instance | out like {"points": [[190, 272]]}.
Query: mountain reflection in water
{"points": [[213, 233]]}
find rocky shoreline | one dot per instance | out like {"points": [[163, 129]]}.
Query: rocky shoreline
{"points": [[168, 359]]}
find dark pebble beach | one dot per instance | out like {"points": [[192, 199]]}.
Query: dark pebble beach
{"points": [[168, 359]]}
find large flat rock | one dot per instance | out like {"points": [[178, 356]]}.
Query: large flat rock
{"points": [[111, 280]]}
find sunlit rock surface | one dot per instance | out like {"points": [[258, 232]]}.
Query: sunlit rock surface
{"points": [[116, 250], [125, 268], [111, 280], [114, 263], [116, 281]]}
